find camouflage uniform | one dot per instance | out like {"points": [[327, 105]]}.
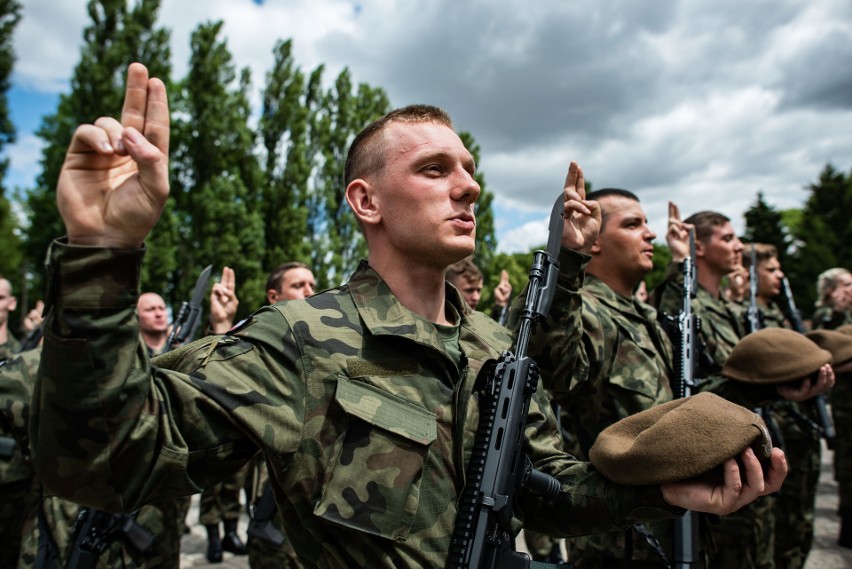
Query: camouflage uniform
{"points": [[365, 415], [17, 480], [262, 553], [10, 347], [622, 367], [17, 381], [744, 539], [796, 501], [840, 398]]}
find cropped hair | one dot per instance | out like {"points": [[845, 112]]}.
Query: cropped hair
{"points": [[367, 152], [273, 281], [464, 269], [704, 222], [598, 195], [762, 252]]}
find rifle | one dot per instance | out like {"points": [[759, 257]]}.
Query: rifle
{"points": [[261, 513], [753, 312], [686, 538], [483, 536], [94, 530], [188, 319], [503, 317], [826, 425]]}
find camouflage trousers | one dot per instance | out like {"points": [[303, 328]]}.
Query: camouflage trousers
{"points": [[841, 411], [222, 501], [746, 538], [796, 502], [263, 554], [61, 515], [17, 502]]}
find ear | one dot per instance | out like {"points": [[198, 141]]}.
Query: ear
{"points": [[596, 247], [699, 248], [13, 303], [271, 296], [364, 201]]}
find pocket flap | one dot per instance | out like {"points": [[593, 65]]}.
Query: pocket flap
{"points": [[384, 410]]}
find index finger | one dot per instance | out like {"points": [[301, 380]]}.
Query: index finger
{"points": [[674, 212], [228, 278], [575, 182], [156, 128]]}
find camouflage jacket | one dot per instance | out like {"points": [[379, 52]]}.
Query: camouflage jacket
{"points": [[364, 421], [17, 381], [9, 348], [827, 318], [722, 322], [621, 366]]}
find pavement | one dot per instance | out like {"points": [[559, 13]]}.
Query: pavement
{"points": [[825, 553]]}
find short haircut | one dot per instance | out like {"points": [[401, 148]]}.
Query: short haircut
{"points": [[367, 152], [762, 252], [273, 281], [8, 283], [826, 283], [464, 269], [598, 195], [704, 222]]}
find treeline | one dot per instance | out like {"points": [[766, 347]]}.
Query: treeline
{"points": [[251, 188]]}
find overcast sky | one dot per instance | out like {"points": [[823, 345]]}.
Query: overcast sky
{"points": [[704, 102]]}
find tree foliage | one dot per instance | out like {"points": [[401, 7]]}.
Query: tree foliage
{"points": [[10, 260], [117, 35], [765, 224]]}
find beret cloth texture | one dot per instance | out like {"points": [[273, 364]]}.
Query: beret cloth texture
{"points": [[846, 329], [774, 355], [836, 342], [678, 440]]}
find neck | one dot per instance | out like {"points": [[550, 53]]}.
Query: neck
{"points": [[708, 279], [620, 284], [762, 301], [418, 287], [154, 340], [4, 333]]}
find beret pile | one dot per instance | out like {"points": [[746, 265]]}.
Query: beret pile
{"points": [[836, 342], [846, 329], [678, 440], [774, 355]]}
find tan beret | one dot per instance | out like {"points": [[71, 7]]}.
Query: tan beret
{"points": [[836, 342], [774, 355], [678, 440], [846, 329]]}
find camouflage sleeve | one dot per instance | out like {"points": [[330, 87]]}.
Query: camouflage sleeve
{"points": [[555, 346], [17, 379], [589, 503], [668, 296], [112, 431]]}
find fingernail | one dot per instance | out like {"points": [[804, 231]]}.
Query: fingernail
{"points": [[119, 146], [107, 147]]}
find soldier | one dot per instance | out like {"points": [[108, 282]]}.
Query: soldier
{"points": [[468, 279], [622, 365], [153, 322], [834, 299], [8, 343], [290, 281], [794, 509], [361, 398]]}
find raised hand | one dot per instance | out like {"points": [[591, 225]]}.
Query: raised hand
{"points": [[677, 235], [223, 302], [736, 491], [503, 290], [582, 216], [115, 179]]}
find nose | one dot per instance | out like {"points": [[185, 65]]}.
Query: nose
{"points": [[309, 290], [467, 188], [649, 233], [738, 245]]}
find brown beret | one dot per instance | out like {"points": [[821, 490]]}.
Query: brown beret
{"points": [[836, 342], [846, 329], [774, 355], [678, 440]]}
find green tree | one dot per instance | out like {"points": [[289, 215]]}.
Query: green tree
{"points": [[821, 234], [118, 34], [10, 260], [217, 180], [289, 101], [337, 242], [765, 224]]}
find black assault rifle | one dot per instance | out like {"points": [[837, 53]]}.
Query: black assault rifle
{"points": [[686, 538], [188, 319], [826, 425], [483, 537]]}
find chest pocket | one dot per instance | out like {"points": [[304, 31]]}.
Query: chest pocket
{"points": [[636, 366], [374, 482]]}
